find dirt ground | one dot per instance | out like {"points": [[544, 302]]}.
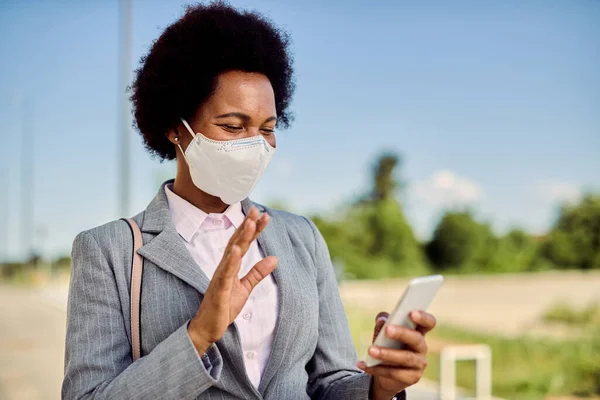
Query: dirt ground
{"points": [[505, 304], [32, 321], [32, 335]]}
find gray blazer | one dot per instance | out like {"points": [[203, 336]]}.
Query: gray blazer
{"points": [[312, 354]]}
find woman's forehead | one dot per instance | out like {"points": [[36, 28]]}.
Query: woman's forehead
{"points": [[246, 92]]}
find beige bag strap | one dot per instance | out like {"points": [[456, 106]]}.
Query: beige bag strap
{"points": [[137, 265]]}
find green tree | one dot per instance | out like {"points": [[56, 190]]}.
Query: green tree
{"points": [[347, 248], [393, 238], [515, 252], [372, 238], [385, 184], [574, 241], [459, 242]]}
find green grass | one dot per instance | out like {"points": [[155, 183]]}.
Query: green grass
{"points": [[567, 314], [522, 368]]}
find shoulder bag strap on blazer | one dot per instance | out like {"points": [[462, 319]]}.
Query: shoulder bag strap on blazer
{"points": [[137, 265]]}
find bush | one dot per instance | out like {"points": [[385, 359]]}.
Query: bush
{"points": [[575, 238], [373, 241], [461, 243], [565, 313], [515, 252]]}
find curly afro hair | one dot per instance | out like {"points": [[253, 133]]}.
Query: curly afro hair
{"points": [[181, 69]]}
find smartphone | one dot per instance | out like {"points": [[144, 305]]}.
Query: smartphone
{"points": [[418, 295]]}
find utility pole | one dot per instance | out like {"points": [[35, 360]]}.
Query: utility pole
{"points": [[5, 212], [125, 47], [27, 148]]}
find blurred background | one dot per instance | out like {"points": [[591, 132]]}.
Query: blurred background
{"points": [[457, 137]]}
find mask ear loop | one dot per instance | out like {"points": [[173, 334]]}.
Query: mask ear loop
{"points": [[191, 133], [188, 127]]}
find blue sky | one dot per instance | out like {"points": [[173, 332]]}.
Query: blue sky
{"points": [[493, 105]]}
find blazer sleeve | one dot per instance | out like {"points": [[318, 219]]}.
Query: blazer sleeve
{"points": [[332, 370], [98, 359]]}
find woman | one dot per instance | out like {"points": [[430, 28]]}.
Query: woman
{"points": [[209, 94]]}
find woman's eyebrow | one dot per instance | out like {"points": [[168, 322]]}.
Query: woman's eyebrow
{"points": [[235, 114], [244, 117]]}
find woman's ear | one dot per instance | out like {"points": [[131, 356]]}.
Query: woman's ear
{"points": [[173, 136]]}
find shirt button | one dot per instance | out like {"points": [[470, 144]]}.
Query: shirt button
{"points": [[216, 222], [247, 315], [250, 355]]}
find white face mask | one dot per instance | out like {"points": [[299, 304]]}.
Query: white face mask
{"points": [[227, 169]]}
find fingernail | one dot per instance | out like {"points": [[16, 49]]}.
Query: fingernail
{"points": [[361, 364], [416, 315], [392, 330], [374, 351]]}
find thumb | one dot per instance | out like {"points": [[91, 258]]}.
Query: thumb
{"points": [[379, 322], [260, 271]]}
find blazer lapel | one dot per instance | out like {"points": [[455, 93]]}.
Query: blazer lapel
{"points": [[274, 241], [164, 247], [168, 252]]}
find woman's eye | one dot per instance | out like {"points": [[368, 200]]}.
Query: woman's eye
{"points": [[268, 131], [232, 127]]}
